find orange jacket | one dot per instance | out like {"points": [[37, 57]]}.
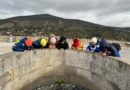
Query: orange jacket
{"points": [[77, 44]]}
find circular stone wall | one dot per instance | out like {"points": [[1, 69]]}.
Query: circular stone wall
{"points": [[33, 69]]}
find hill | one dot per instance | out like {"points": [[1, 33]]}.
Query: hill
{"points": [[36, 24]]}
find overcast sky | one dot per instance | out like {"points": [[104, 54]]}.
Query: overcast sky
{"points": [[105, 12]]}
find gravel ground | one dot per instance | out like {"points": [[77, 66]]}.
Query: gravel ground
{"points": [[60, 87]]}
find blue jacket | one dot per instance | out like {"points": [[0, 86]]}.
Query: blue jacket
{"points": [[21, 47], [93, 49], [36, 44], [114, 51], [103, 44]]}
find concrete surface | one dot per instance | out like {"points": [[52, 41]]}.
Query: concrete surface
{"points": [[5, 47], [28, 70]]}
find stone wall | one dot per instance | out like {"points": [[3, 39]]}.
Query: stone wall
{"points": [[30, 69]]}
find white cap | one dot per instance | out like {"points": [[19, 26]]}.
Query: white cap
{"points": [[94, 40]]}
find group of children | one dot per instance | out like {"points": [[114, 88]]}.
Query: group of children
{"points": [[104, 47], [52, 42], [95, 45]]}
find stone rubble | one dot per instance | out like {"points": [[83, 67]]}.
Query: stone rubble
{"points": [[61, 87]]}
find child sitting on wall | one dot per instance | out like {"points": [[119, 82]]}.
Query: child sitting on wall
{"points": [[40, 43], [52, 42], [93, 46], [77, 44], [63, 44], [24, 44]]}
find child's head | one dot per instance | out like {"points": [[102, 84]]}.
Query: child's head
{"points": [[93, 40], [62, 39]]}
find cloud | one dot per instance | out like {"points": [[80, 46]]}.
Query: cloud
{"points": [[106, 12]]}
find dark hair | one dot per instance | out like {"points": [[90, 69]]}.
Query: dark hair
{"points": [[117, 46], [62, 38]]}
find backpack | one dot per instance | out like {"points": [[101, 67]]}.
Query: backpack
{"points": [[117, 46]]}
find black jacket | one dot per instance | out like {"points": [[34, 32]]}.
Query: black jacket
{"points": [[64, 45]]}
